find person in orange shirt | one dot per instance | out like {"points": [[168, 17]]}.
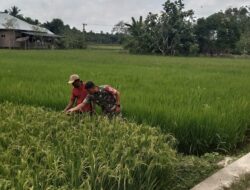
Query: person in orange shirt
{"points": [[78, 94]]}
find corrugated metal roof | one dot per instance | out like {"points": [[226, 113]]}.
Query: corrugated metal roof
{"points": [[9, 22], [41, 34]]}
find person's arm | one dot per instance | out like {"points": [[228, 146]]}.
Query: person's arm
{"points": [[80, 106], [117, 96], [118, 103], [71, 102], [93, 111]]}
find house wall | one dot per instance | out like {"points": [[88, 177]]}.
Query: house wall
{"points": [[8, 39]]}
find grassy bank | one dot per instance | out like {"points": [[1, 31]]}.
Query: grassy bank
{"points": [[203, 102], [243, 184]]}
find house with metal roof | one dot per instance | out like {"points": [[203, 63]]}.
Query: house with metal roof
{"points": [[15, 33]]}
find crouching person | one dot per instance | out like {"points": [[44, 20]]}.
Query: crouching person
{"points": [[106, 97], [78, 95]]}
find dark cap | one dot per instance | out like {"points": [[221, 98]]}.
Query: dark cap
{"points": [[89, 85]]}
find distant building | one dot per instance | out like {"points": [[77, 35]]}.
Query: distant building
{"points": [[15, 33]]}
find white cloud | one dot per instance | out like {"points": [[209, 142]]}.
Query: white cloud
{"points": [[108, 12]]}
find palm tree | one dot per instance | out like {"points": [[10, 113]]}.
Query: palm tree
{"points": [[14, 11], [136, 27], [136, 33]]}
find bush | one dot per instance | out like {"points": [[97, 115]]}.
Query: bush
{"points": [[243, 45], [194, 49]]}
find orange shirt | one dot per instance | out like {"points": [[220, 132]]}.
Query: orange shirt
{"points": [[79, 94]]}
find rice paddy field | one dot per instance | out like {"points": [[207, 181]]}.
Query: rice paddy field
{"points": [[44, 149], [172, 105]]}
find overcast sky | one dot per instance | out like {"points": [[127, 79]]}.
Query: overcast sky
{"points": [[103, 14]]}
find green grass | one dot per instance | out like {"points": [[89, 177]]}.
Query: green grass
{"points": [[44, 149], [243, 184], [203, 102], [116, 47]]}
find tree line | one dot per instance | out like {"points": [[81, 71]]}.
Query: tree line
{"points": [[175, 32]]}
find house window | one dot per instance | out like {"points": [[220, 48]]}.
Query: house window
{"points": [[3, 35]]}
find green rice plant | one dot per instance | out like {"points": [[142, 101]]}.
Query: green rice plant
{"points": [[203, 102], [48, 150]]}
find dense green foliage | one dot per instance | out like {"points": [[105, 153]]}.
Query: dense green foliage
{"points": [[175, 32], [74, 38], [169, 33], [220, 32], [203, 102], [48, 150], [102, 38]]}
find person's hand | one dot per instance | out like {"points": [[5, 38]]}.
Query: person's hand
{"points": [[70, 111], [118, 109]]}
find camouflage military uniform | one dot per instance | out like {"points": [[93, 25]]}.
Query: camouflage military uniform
{"points": [[105, 98]]}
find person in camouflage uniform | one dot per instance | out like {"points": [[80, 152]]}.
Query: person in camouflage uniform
{"points": [[105, 96]]}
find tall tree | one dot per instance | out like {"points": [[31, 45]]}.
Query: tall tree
{"points": [[31, 21], [72, 38], [220, 32], [151, 33], [56, 26], [135, 41], [175, 25], [120, 28], [15, 11], [169, 33], [243, 45], [121, 31]]}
